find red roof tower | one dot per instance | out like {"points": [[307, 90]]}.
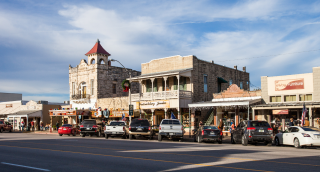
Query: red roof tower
{"points": [[98, 49]]}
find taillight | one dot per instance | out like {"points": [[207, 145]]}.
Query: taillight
{"points": [[95, 126], [81, 126], [220, 133], [124, 129], [305, 135], [202, 132], [181, 128], [149, 128], [251, 128], [159, 128], [129, 128], [270, 129]]}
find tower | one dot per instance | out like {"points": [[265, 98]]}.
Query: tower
{"points": [[97, 54]]}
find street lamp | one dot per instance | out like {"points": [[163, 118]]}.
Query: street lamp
{"points": [[112, 60]]}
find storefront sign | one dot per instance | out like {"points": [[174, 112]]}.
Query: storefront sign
{"points": [[153, 104], [118, 114], [62, 112], [280, 112], [8, 105], [96, 114], [290, 84]]}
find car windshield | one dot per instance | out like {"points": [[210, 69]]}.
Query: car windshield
{"points": [[259, 124], [66, 125], [117, 124], [89, 122], [140, 122], [172, 122], [210, 127], [308, 129]]}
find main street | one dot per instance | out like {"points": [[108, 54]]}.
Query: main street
{"points": [[39, 152]]}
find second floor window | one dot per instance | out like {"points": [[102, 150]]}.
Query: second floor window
{"points": [[205, 83], [275, 99], [306, 97], [183, 83], [230, 82], [241, 85], [114, 88], [148, 85]]}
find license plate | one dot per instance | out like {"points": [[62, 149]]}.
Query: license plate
{"points": [[88, 128], [318, 136], [212, 133], [171, 133], [64, 129], [114, 132], [261, 131], [139, 129]]}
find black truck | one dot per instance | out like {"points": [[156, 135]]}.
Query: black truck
{"points": [[140, 127], [252, 132], [90, 127]]}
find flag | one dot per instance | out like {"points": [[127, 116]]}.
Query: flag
{"points": [[304, 113], [172, 116], [123, 117]]}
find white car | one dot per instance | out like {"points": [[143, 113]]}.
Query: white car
{"points": [[298, 137]]}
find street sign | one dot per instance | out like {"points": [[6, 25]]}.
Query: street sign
{"points": [[79, 116], [130, 110]]}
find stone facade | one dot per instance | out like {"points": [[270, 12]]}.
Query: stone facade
{"points": [[114, 103], [316, 83]]}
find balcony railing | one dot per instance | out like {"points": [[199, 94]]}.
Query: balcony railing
{"points": [[80, 96], [161, 95]]}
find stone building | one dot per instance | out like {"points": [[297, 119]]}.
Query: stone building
{"points": [[168, 85], [95, 79]]}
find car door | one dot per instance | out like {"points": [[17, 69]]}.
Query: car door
{"points": [[294, 133], [287, 135], [236, 132]]}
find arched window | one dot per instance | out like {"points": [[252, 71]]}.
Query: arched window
{"points": [[83, 90], [93, 61], [101, 61]]}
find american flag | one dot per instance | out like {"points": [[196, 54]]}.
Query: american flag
{"points": [[304, 113]]}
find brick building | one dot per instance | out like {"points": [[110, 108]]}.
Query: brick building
{"points": [[168, 85]]}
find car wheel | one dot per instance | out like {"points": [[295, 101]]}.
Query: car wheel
{"points": [[266, 143], [68, 134], [159, 137], [60, 134], [1, 130], [74, 133], [199, 140], [83, 135], [181, 140], [244, 141], [297, 143], [90, 135], [277, 142], [99, 134], [150, 137], [130, 137], [106, 136]]}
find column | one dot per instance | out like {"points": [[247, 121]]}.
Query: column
{"points": [[20, 124], [165, 114], [253, 114], [13, 124], [236, 122], [165, 87], [152, 110], [152, 79], [27, 124], [193, 125], [178, 109], [283, 121], [215, 116], [310, 117], [179, 115], [140, 82]]}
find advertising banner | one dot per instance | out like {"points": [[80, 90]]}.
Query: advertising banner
{"points": [[290, 84], [153, 104], [118, 113], [280, 112]]}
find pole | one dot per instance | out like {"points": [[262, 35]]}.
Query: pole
{"points": [[189, 124], [130, 97]]}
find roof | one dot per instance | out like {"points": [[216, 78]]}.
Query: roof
{"points": [[243, 102], [98, 49], [162, 73], [288, 104], [30, 113]]}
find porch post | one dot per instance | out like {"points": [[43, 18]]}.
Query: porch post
{"points": [[237, 116], [189, 123], [20, 124], [165, 87], [192, 126], [310, 117], [248, 111], [27, 124], [215, 116], [13, 124], [253, 114], [152, 110], [165, 114], [140, 82], [152, 79], [179, 115]]}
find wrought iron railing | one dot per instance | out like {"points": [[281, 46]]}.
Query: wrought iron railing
{"points": [[161, 95], [80, 96]]}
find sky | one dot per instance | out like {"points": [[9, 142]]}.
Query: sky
{"points": [[40, 39]]}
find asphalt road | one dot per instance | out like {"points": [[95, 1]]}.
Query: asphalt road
{"points": [[38, 152]]}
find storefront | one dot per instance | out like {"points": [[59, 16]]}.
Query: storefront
{"points": [[69, 116], [27, 116]]}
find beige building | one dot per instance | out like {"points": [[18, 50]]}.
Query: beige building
{"points": [[168, 85], [284, 96]]}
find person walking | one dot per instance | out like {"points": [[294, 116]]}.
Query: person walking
{"points": [[32, 125], [22, 125], [291, 122], [232, 128]]}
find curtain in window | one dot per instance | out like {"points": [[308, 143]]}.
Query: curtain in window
{"points": [[155, 85], [149, 86], [175, 83]]}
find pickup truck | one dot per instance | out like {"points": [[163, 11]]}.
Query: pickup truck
{"points": [[90, 127], [116, 128], [140, 127], [170, 128], [5, 126]]}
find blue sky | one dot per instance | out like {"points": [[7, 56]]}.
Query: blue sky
{"points": [[39, 39]]}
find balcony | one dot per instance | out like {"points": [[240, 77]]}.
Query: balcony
{"points": [[80, 96], [162, 95]]}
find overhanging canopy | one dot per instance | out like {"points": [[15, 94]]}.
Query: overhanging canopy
{"points": [[245, 101], [26, 113], [221, 80]]}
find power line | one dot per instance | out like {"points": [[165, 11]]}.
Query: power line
{"points": [[272, 55]]}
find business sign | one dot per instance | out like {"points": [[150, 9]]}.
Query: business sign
{"points": [[280, 112], [118, 113], [290, 84], [96, 114], [153, 104], [8, 105], [62, 112]]}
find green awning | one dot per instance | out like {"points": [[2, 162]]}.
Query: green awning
{"points": [[221, 80]]}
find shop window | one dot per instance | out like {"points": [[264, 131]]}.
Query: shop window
{"points": [[230, 82], [290, 98], [183, 83], [92, 86], [306, 97], [241, 85], [205, 83], [275, 99], [114, 88]]}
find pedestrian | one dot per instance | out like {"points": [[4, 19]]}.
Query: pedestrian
{"points": [[22, 125], [306, 122], [57, 125], [32, 125], [232, 127], [41, 126], [221, 125], [200, 124], [291, 122]]}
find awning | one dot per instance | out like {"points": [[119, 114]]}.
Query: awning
{"points": [[221, 80], [245, 102], [26, 113]]}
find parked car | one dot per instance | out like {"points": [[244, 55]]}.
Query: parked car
{"points": [[67, 129], [252, 132], [170, 128], [116, 128], [140, 127], [208, 134], [298, 137], [90, 127], [5, 126]]}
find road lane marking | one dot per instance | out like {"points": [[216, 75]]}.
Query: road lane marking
{"points": [[41, 169], [205, 156], [146, 159]]}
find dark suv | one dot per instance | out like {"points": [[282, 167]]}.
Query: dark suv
{"points": [[252, 132], [140, 127], [90, 127]]}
